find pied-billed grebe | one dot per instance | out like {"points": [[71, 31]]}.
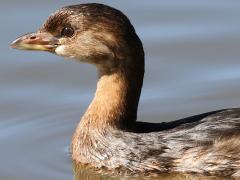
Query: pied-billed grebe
{"points": [[108, 134]]}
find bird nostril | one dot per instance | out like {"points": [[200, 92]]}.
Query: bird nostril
{"points": [[33, 37]]}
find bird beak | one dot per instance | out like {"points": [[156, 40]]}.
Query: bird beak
{"points": [[36, 42]]}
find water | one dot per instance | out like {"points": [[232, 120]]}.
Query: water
{"points": [[192, 66]]}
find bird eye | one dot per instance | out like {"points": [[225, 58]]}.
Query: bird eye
{"points": [[67, 32]]}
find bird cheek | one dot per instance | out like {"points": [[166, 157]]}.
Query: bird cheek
{"points": [[61, 50], [66, 51]]}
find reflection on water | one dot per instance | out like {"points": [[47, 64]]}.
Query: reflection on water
{"points": [[192, 66], [81, 172]]}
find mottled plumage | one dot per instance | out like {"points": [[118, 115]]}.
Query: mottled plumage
{"points": [[209, 146]]}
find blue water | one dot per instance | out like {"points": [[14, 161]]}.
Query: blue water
{"points": [[192, 66]]}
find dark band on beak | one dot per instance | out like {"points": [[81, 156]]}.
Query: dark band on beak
{"points": [[36, 41]]}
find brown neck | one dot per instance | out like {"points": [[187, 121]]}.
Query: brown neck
{"points": [[118, 89], [116, 98]]}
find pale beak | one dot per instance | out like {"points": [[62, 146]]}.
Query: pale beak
{"points": [[36, 42]]}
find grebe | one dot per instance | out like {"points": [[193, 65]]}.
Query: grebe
{"points": [[108, 135]]}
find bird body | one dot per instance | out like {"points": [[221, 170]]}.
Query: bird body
{"points": [[208, 146]]}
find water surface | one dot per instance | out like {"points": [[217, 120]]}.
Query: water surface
{"points": [[192, 66]]}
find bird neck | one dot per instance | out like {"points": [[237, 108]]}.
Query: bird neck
{"points": [[116, 99]]}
